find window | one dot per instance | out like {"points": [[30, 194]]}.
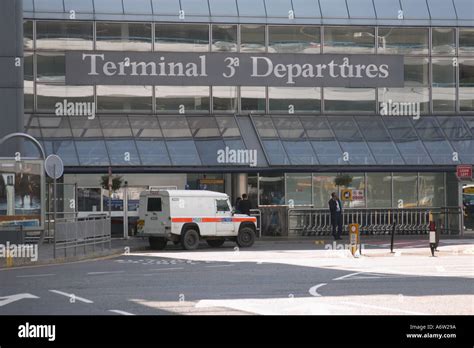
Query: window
{"points": [[379, 190], [349, 40], [222, 205], [294, 99], [443, 41], [88, 199], [145, 126], [298, 188], [444, 85], [414, 97], [174, 127], [252, 38], [294, 39], [28, 84], [409, 100], [253, 99], [349, 99], [223, 8], [431, 190], [51, 67], [154, 204], [224, 98], [251, 8], [123, 36], [92, 152], [272, 189], [224, 38], [466, 84], [183, 152], [124, 98], [28, 35], [54, 98], [153, 152], [404, 190], [403, 40], [182, 99], [323, 187], [358, 191], [466, 42], [228, 126], [203, 127], [181, 37], [122, 152], [115, 126], [64, 35]]}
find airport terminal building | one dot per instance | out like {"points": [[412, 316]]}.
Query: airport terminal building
{"points": [[274, 98]]}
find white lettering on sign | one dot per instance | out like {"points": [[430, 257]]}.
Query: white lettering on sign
{"points": [[282, 69]]}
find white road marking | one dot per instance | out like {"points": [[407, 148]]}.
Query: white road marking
{"points": [[215, 266], [12, 298], [382, 308], [166, 269], [35, 275], [313, 291], [120, 312], [110, 272], [85, 300], [347, 276]]}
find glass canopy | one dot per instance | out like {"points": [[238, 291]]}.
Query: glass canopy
{"points": [[301, 141], [376, 12]]}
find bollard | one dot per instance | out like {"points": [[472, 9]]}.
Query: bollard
{"points": [[432, 237], [354, 238]]}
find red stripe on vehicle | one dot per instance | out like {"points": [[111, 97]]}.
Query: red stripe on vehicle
{"points": [[209, 219], [253, 219], [181, 220]]}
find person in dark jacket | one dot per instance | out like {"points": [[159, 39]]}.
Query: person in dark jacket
{"points": [[244, 205], [335, 207], [237, 203]]}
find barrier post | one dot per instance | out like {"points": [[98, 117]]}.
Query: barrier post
{"points": [[354, 238], [432, 237]]}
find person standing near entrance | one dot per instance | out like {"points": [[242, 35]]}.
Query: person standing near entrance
{"points": [[244, 205], [335, 208]]}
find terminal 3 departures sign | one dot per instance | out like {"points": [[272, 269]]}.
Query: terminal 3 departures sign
{"points": [[224, 69]]}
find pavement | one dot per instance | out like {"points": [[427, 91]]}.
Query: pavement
{"points": [[45, 251], [292, 277]]}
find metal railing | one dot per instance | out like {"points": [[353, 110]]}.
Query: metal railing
{"points": [[79, 233], [317, 222], [258, 214]]}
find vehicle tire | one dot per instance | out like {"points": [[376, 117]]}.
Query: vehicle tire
{"points": [[190, 239], [215, 243], [246, 237], [157, 243]]}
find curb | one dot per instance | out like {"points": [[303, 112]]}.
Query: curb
{"points": [[58, 261]]}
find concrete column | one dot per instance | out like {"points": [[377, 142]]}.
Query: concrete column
{"points": [[240, 184], [11, 72]]}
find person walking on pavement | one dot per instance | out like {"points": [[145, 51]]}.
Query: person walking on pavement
{"points": [[335, 208], [244, 205]]}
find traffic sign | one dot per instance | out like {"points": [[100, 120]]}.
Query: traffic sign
{"points": [[54, 166], [346, 195], [464, 171]]}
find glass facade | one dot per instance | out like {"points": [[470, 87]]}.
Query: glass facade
{"points": [[370, 190], [290, 127]]}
